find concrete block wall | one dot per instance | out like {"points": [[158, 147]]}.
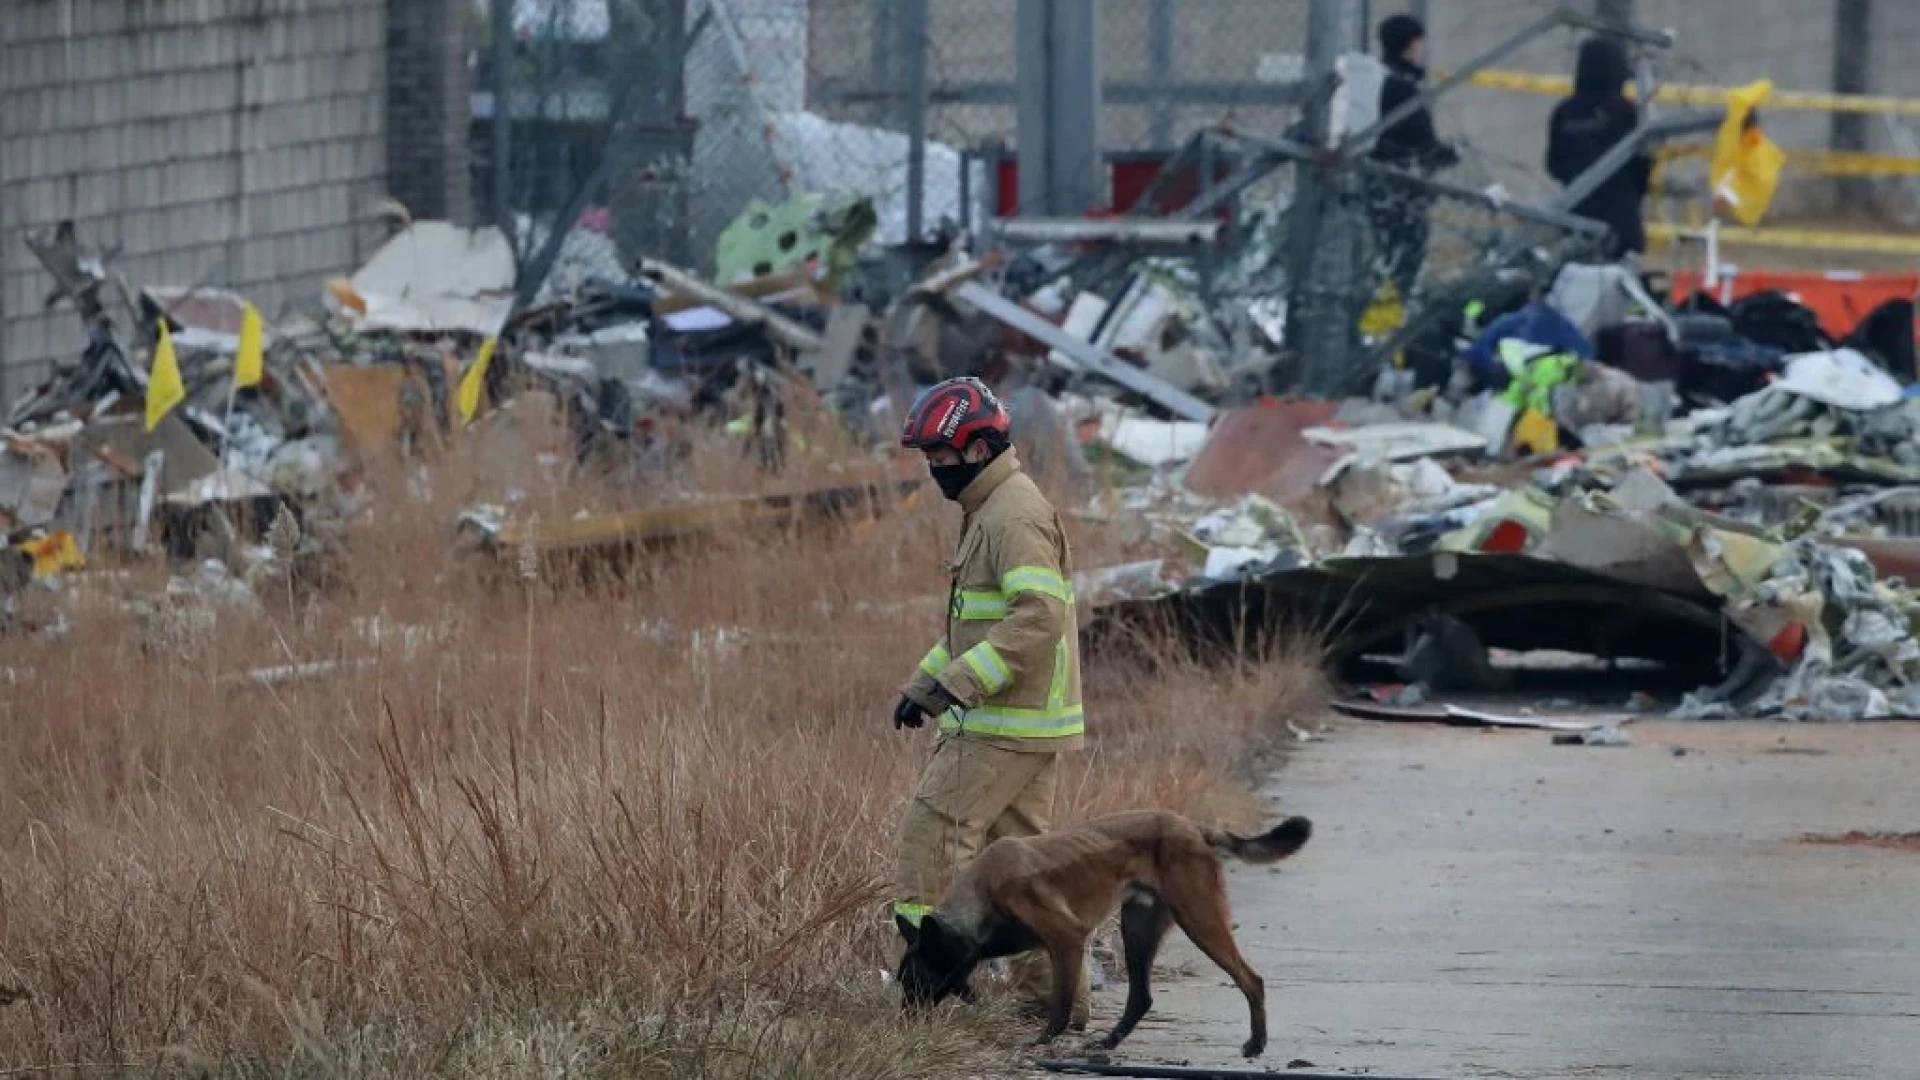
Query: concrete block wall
{"points": [[231, 143]]}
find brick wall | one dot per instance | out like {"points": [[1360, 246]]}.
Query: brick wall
{"points": [[233, 143]]}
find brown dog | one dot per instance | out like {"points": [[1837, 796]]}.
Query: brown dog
{"points": [[1051, 891]]}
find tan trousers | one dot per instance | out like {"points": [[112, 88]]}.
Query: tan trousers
{"points": [[970, 794]]}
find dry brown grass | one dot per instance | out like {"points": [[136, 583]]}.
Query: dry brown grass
{"points": [[641, 824]]}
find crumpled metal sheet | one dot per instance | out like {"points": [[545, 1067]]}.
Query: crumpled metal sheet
{"points": [[1509, 601], [1842, 378], [1262, 449]]}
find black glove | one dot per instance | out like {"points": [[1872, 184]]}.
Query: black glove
{"points": [[907, 714]]}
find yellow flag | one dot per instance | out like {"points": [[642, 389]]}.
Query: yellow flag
{"points": [[164, 388], [473, 382], [53, 553], [1746, 164], [251, 362]]}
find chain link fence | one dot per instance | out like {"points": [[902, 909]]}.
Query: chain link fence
{"points": [[713, 104], [1812, 46], [662, 122]]}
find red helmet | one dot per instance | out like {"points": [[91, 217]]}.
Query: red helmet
{"points": [[953, 414]]}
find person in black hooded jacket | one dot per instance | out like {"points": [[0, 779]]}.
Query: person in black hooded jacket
{"points": [[1588, 124], [1400, 213]]}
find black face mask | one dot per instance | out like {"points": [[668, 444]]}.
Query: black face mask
{"points": [[953, 479]]}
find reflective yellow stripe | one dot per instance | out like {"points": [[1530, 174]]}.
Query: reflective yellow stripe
{"points": [[936, 660], [1017, 723], [975, 605], [980, 604], [1057, 692], [911, 912], [987, 666], [1036, 579]]}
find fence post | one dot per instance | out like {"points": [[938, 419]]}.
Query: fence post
{"points": [[1160, 68], [1852, 74], [914, 102], [1058, 94], [501, 16], [1325, 274]]}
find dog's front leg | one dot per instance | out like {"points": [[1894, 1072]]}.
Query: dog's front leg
{"points": [[1068, 961]]}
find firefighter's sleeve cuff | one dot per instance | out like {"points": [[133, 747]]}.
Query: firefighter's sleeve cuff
{"points": [[932, 698]]}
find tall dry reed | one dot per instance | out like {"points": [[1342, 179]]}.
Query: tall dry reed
{"points": [[669, 790]]}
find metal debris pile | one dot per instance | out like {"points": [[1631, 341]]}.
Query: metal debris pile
{"points": [[85, 468], [1570, 463]]}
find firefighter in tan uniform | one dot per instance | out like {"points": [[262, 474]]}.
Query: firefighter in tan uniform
{"points": [[1003, 680]]}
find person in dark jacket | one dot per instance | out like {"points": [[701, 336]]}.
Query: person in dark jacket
{"points": [[1588, 124], [1400, 213]]}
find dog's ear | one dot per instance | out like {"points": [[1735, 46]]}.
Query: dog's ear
{"points": [[908, 932], [931, 935]]}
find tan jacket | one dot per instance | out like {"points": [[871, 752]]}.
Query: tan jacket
{"points": [[1011, 652]]}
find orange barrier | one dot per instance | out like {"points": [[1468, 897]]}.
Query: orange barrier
{"points": [[1839, 298]]}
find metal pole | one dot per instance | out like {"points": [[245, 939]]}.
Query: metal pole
{"points": [[1058, 71], [913, 56], [1324, 268], [967, 160], [502, 18], [1160, 70], [1852, 74], [1079, 168], [1033, 116], [745, 310]]}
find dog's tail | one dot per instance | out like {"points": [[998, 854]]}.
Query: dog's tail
{"points": [[1269, 847]]}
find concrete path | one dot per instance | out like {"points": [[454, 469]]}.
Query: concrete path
{"points": [[1486, 904]]}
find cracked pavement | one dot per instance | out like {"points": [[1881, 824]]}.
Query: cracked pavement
{"points": [[1486, 904]]}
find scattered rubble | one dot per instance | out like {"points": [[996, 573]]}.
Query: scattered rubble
{"points": [[1756, 540], [1722, 492]]}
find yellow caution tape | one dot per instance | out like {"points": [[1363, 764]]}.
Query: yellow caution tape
{"points": [[1684, 94], [1817, 162], [1798, 239]]}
